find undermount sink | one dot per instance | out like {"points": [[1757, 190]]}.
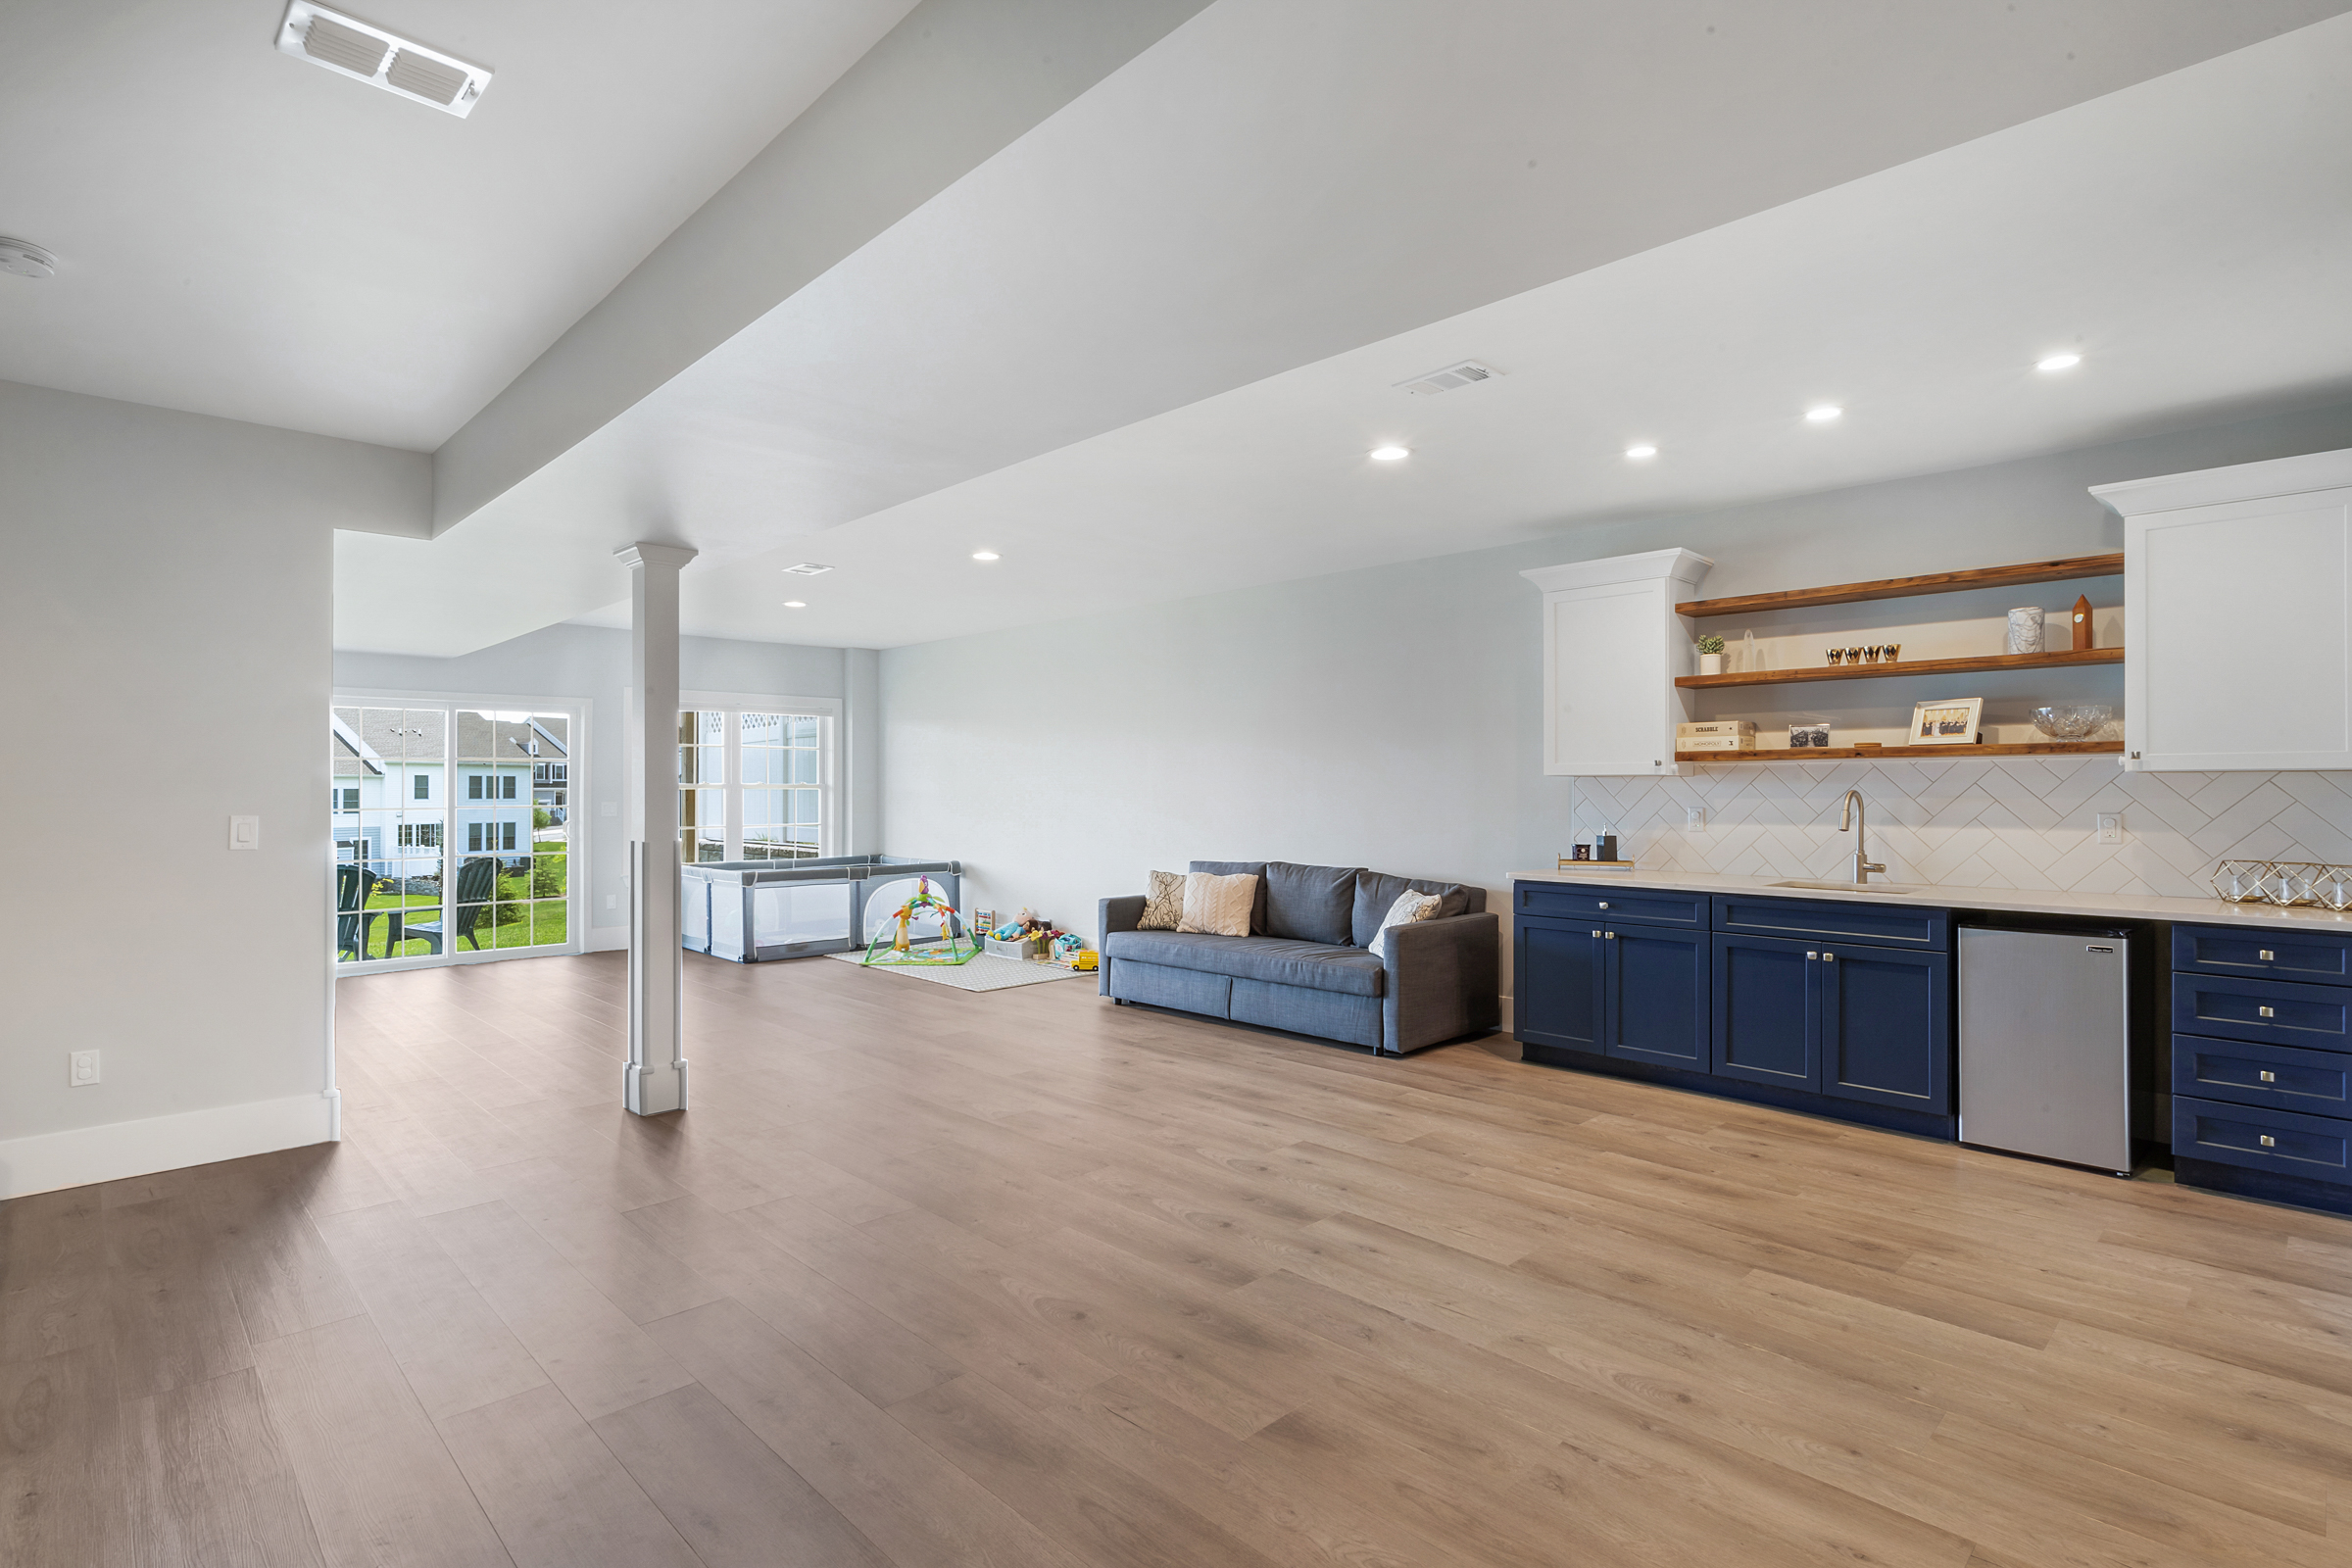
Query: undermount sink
{"points": [[1849, 887]]}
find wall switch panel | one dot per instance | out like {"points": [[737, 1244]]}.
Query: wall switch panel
{"points": [[83, 1068], [244, 832], [2111, 827]]}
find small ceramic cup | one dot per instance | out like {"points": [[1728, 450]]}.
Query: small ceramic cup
{"points": [[1835, 654]]}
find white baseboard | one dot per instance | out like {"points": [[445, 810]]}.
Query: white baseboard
{"points": [[606, 939], [46, 1161]]}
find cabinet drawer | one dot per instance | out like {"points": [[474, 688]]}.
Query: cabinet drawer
{"points": [[2317, 1082], [1582, 901], [2317, 957], [1891, 924], [2316, 1148], [2278, 1011]]}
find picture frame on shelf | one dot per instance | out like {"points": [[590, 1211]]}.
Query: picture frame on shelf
{"points": [[1951, 721]]}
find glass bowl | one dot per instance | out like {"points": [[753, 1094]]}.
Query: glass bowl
{"points": [[2073, 722]]}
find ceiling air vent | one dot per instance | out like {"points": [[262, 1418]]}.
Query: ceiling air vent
{"points": [[367, 53], [1466, 374], [808, 568]]}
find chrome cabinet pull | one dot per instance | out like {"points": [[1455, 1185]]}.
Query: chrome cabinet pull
{"points": [[1596, 930], [2265, 1012], [2269, 1077], [2268, 1141], [1829, 958], [2266, 955], [1812, 956], [1611, 935], [1605, 904]]}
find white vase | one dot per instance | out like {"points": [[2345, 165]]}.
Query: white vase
{"points": [[2025, 630], [1710, 664]]}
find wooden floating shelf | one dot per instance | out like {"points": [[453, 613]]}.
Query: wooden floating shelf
{"points": [[1941, 582], [1833, 754], [2061, 660]]}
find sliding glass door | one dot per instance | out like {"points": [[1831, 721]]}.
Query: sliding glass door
{"points": [[452, 831]]}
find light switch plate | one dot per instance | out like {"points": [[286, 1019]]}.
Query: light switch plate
{"points": [[2111, 827], [81, 1068], [244, 832]]}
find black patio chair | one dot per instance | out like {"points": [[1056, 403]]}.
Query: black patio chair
{"points": [[351, 898], [477, 879]]}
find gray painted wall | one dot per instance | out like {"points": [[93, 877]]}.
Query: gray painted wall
{"points": [[573, 662], [1390, 717], [165, 616]]}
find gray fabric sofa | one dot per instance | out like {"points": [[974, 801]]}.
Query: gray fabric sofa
{"points": [[1303, 966]]}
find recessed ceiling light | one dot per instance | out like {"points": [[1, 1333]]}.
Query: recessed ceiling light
{"points": [[1824, 412], [365, 52], [1391, 454], [2059, 361], [26, 259], [1639, 450], [984, 554], [796, 603]]}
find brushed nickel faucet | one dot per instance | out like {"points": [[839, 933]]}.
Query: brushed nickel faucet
{"points": [[1850, 815]]}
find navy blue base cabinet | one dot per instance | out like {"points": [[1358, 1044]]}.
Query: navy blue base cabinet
{"points": [[2262, 1063], [1840, 1009]]}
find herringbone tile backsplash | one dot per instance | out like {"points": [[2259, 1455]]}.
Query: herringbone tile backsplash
{"points": [[2015, 822]]}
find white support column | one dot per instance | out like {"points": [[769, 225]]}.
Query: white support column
{"points": [[654, 1080]]}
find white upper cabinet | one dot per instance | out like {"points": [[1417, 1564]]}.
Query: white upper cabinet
{"points": [[1612, 647], [2237, 617]]}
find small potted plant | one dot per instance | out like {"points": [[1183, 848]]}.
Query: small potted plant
{"points": [[1710, 654]]}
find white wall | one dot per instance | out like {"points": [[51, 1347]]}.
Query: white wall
{"points": [[566, 661], [1392, 717], [165, 616]]}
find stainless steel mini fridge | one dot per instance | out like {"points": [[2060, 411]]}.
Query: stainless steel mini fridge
{"points": [[2045, 1044]]}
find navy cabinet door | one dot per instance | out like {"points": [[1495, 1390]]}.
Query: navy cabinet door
{"points": [[1885, 1026], [1557, 983], [1764, 1003], [1654, 995]]}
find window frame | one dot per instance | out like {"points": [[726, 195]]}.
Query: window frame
{"points": [[830, 804]]}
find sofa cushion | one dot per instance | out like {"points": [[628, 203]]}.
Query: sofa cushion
{"points": [[1278, 960], [1163, 905], [1376, 893], [1218, 905], [1256, 868], [1310, 902]]}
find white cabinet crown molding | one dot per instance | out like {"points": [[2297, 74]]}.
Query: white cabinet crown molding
{"points": [[1671, 566], [2244, 482]]}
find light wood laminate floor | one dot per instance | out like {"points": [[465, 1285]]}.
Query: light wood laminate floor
{"points": [[928, 1278]]}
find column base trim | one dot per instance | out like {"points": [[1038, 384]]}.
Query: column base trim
{"points": [[112, 1151], [654, 1091]]}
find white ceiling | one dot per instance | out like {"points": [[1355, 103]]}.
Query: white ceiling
{"points": [[244, 235], [1131, 347], [2190, 237]]}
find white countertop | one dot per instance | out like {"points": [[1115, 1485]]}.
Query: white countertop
{"points": [[2095, 906]]}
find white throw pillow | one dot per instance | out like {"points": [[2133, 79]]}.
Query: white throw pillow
{"points": [[1409, 908], [1163, 905], [1218, 905]]}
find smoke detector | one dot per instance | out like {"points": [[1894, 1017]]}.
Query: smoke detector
{"points": [[808, 568], [26, 259], [1468, 373], [367, 53]]}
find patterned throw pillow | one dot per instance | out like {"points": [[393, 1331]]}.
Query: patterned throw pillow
{"points": [[1163, 905], [1408, 909], [1218, 905]]}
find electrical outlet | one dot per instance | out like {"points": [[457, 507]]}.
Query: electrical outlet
{"points": [[83, 1068], [2111, 827], [1695, 819]]}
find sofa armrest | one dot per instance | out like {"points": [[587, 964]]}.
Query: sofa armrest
{"points": [[1115, 914], [1445, 980]]}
